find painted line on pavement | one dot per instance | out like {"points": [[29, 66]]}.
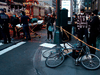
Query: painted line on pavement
{"points": [[42, 58], [11, 48]]}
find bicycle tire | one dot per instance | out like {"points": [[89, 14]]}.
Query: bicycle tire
{"points": [[90, 61], [46, 54], [54, 60]]}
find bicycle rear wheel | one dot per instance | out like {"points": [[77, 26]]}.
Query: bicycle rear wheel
{"points": [[54, 60], [90, 61]]}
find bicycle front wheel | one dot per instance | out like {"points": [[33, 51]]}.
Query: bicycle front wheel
{"points": [[54, 60], [90, 61], [48, 52]]}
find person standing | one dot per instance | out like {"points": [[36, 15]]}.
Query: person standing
{"points": [[74, 23], [94, 24], [4, 20], [50, 28], [82, 26], [14, 22], [25, 21]]}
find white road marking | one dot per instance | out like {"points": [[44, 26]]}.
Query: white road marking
{"points": [[1, 44], [48, 45], [11, 48], [42, 58]]}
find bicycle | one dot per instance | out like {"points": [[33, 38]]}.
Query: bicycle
{"points": [[89, 61]]}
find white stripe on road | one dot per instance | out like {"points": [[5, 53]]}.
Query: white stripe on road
{"points": [[1, 44], [42, 58], [11, 48]]}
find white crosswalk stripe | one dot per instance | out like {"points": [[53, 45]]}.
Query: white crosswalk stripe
{"points": [[11, 48]]}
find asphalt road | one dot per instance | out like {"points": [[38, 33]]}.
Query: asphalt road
{"points": [[17, 58], [25, 58]]}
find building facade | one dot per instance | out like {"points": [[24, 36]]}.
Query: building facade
{"points": [[96, 5]]}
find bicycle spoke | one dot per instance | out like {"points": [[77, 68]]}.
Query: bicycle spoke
{"points": [[91, 62], [54, 60]]}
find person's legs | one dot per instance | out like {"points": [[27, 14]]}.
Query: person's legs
{"points": [[14, 32], [8, 35], [92, 41], [51, 35], [28, 34], [25, 31], [86, 33], [47, 34], [3, 31], [0, 34], [81, 35], [18, 32]]}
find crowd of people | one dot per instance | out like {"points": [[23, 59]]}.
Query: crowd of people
{"points": [[5, 21], [12, 21], [82, 22]]}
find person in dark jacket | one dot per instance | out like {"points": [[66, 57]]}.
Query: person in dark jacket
{"points": [[74, 23], [25, 21], [4, 30], [49, 32], [14, 22], [82, 26], [94, 23]]}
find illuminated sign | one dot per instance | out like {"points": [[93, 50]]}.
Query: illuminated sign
{"points": [[67, 5]]}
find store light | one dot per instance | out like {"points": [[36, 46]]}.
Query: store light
{"points": [[89, 8], [85, 8]]}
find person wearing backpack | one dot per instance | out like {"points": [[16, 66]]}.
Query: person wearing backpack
{"points": [[4, 20], [94, 23], [50, 28]]}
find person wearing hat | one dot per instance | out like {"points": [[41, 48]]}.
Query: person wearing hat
{"points": [[4, 30], [94, 23]]}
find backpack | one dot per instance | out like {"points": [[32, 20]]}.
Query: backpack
{"points": [[50, 28]]}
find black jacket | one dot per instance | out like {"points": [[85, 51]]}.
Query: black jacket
{"points": [[4, 20], [14, 21], [50, 22], [94, 23]]}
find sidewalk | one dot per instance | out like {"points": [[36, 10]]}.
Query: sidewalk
{"points": [[66, 68]]}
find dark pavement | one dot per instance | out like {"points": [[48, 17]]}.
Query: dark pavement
{"points": [[19, 60], [27, 59]]}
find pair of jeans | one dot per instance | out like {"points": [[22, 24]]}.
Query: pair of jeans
{"points": [[49, 33], [26, 31], [14, 32], [92, 41]]}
